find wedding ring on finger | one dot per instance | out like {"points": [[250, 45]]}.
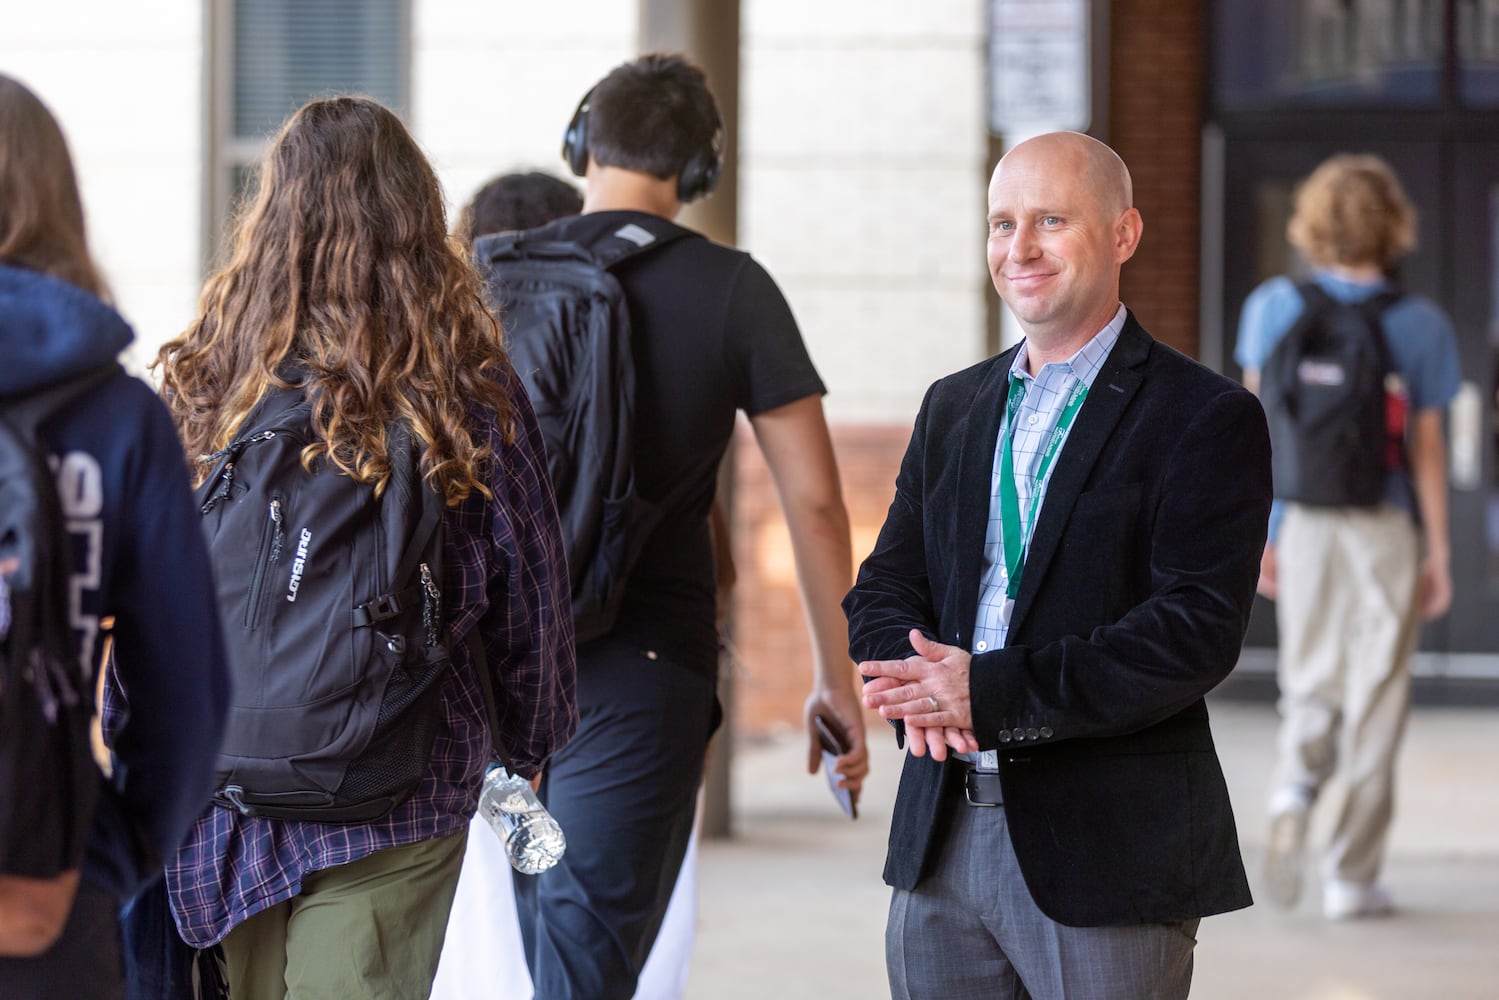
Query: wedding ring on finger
{"points": [[933, 700]]}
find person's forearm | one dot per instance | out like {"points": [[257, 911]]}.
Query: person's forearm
{"points": [[824, 560], [799, 451], [1428, 455]]}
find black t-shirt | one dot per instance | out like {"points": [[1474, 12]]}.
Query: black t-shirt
{"points": [[711, 335]]}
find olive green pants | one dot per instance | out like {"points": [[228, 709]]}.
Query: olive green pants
{"points": [[369, 929]]}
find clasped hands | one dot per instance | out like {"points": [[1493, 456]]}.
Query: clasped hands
{"points": [[928, 692]]}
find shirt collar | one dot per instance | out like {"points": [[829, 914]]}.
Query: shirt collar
{"points": [[1088, 360]]}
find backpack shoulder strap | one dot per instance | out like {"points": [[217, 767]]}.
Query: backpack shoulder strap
{"points": [[605, 248], [480, 662], [1314, 297], [1372, 310], [632, 239], [1318, 302], [1375, 305], [406, 474], [502, 247]]}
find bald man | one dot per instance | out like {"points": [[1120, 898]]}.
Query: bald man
{"points": [[1066, 570]]}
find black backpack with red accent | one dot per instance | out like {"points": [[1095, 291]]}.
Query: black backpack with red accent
{"points": [[1332, 436]]}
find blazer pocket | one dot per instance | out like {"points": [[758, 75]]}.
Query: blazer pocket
{"points": [[1121, 502], [1102, 550]]}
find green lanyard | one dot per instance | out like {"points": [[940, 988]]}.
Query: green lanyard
{"points": [[1015, 542]]}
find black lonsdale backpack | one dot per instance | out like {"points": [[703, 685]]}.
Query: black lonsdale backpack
{"points": [[48, 779], [1323, 389], [567, 330], [333, 622]]}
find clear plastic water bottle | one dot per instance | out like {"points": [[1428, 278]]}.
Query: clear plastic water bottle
{"points": [[533, 840]]}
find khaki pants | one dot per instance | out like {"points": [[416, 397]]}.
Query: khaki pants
{"points": [[371, 929], [1347, 618]]}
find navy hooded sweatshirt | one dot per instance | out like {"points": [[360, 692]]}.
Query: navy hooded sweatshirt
{"points": [[139, 556]]}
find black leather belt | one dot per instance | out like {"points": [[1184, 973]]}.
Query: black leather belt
{"points": [[982, 788]]}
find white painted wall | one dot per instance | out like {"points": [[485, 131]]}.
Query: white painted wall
{"points": [[862, 153], [862, 187], [126, 82], [495, 82]]}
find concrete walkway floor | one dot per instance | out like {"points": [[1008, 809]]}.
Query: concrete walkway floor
{"points": [[792, 905]]}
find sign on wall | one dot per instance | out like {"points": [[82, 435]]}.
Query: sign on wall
{"points": [[1039, 65]]}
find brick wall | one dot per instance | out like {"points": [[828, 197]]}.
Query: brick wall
{"points": [[1156, 81], [861, 188], [774, 653]]}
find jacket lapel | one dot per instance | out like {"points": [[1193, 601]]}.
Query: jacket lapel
{"points": [[975, 472], [1110, 394]]}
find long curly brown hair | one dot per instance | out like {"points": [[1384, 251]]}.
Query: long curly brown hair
{"points": [[341, 266], [41, 215]]}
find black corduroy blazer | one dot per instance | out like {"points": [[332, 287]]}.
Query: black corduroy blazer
{"points": [[1133, 605]]}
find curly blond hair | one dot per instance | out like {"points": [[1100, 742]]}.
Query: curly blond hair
{"points": [[1352, 211]]}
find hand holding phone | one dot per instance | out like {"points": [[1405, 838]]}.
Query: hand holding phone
{"points": [[834, 745]]}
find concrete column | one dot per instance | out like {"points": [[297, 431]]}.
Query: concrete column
{"points": [[707, 32]]}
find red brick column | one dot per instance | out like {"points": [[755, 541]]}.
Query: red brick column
{"points": [[770, 630], [1156, 94]]}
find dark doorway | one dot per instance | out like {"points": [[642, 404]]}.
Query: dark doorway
{"points": [[1455, 186], [1416, 82]]}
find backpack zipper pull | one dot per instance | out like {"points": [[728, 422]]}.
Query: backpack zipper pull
{"points": [[275, 530], [226, 477], [221, 491], [431, 605], [235, 796]]}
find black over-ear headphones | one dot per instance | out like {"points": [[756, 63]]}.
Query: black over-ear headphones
{"points": [[575, 139], [699, 174]]}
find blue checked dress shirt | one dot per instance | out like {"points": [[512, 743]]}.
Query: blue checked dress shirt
{"points": [[1045, 397]]}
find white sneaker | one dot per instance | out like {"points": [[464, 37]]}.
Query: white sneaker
{"points": [[1285, 848], [1351, 900]]}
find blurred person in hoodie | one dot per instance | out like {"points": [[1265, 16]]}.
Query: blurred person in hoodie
{"points": [[138, 557]]}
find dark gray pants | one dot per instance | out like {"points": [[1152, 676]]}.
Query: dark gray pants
{"points": [[971, 931], [624, 789]]}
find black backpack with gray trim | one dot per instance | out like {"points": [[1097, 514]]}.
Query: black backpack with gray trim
{"points": [[567, 333], [333, 622]]}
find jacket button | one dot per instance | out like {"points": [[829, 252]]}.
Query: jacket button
{"points": [[1032, 734], [1019, 735], [1046, 733], [1004, 736]]}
